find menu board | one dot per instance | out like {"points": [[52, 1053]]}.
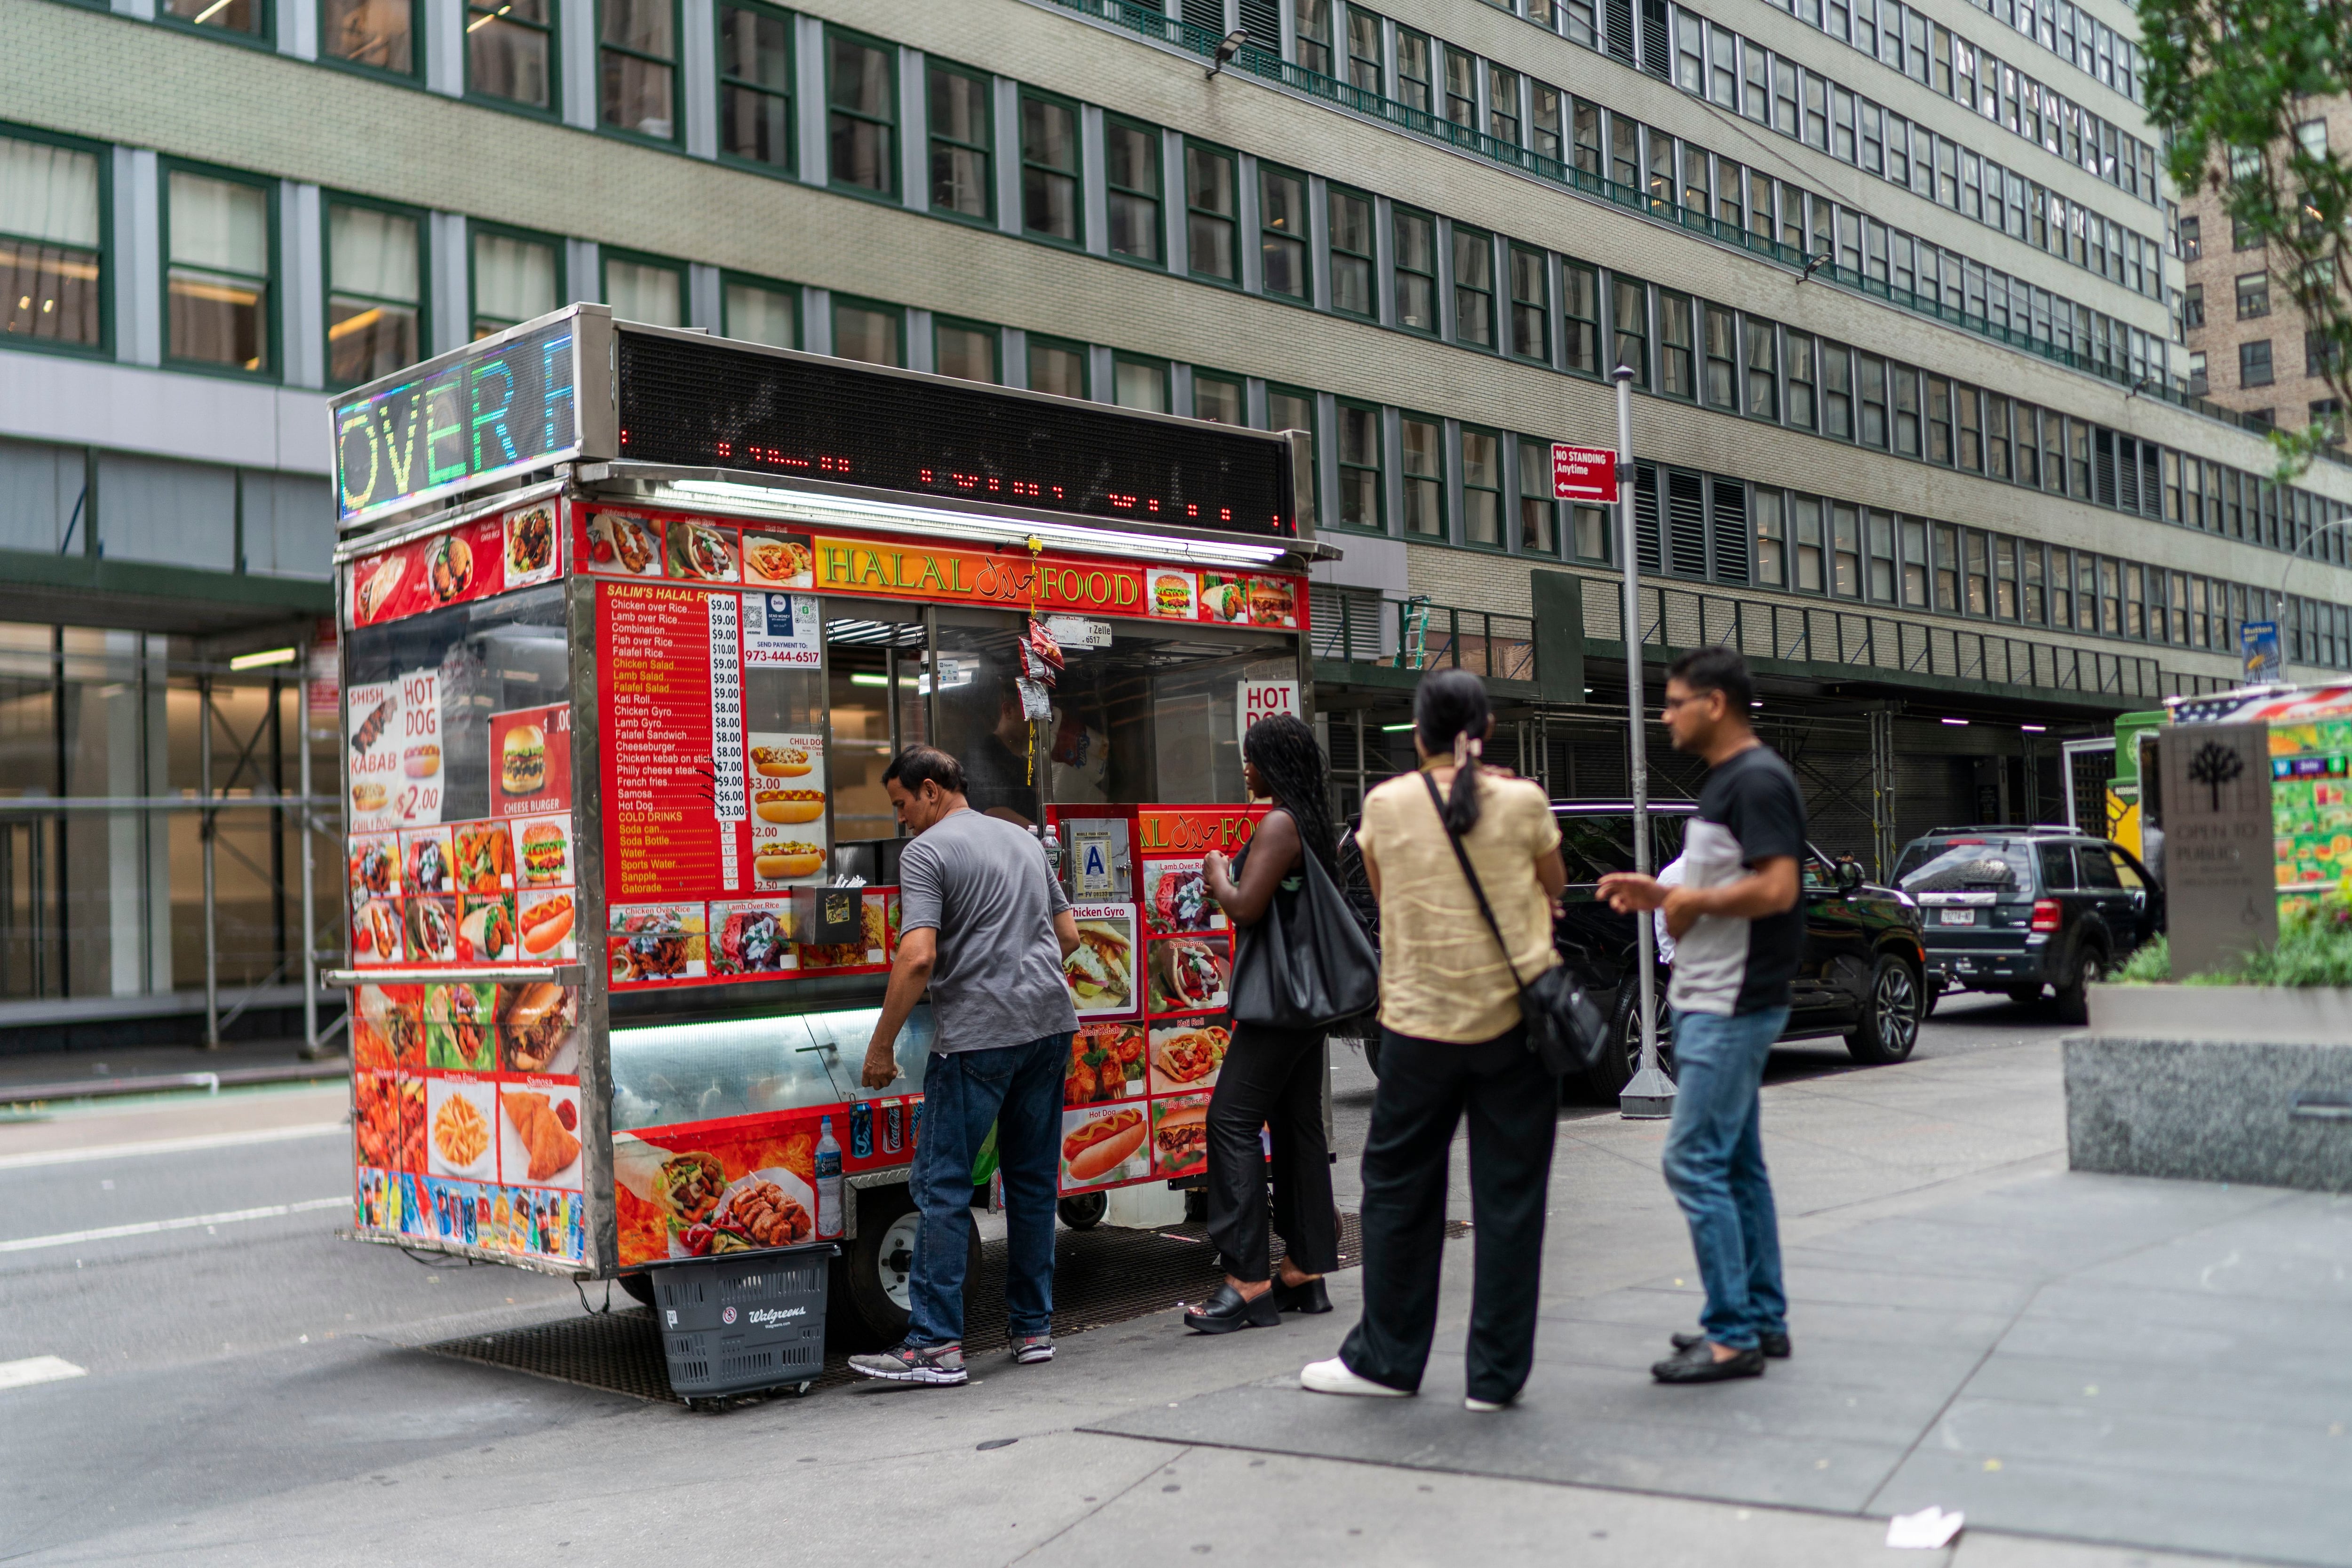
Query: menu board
{"points": [[663, 808], [472, 560], [2311, 803]]}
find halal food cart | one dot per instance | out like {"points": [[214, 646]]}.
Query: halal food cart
{"points": [[2308, 732], [633, 621]]}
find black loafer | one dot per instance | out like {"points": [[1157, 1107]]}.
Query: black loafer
{"points": [[1698, 1365], [1227, 1309], [1309, 1297], [1774, 1346]]}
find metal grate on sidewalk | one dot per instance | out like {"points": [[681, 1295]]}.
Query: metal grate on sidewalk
{"points": [[1100, 1276]]}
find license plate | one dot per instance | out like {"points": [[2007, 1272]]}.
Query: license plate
{"points": [[1958, 917]]}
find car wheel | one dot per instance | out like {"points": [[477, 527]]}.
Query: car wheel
{"points": [[2075, 994], [1890, 1014], [1605, 1082], [868, 1303]]}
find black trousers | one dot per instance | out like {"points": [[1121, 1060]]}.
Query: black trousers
{"points": [[1426, 1086], [1272, 1078]]}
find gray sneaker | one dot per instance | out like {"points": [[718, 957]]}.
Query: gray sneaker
{"points": [[1029, 1352], [914, 1364]]}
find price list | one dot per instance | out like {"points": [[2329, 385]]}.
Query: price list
{"points": [[727, 799], [664, 778]]}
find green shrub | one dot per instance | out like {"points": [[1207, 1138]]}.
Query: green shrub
{"points": [[2151, 965], [2313, 948]]}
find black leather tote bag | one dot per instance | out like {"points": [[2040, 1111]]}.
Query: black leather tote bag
{"points": [[1307, 967]]}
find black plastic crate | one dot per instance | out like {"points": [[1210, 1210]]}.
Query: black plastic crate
{"points": [[745, 1323]]}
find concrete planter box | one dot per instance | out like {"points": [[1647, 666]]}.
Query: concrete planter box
{"points": [[2222, 1083]]}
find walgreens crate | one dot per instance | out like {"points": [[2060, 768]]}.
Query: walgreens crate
{"points": [[744, 1322]]}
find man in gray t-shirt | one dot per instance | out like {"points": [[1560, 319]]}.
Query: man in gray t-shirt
{"points": [[985, 926]]}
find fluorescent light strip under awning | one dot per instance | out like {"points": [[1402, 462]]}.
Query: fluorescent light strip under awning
{"points": [[813, 509]]}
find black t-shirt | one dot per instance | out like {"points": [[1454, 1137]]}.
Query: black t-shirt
{"points": [[1750, 810]]}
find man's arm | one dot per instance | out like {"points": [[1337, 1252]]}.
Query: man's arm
{"points": [[1066, 931], [909, 972], [1770, 887]]}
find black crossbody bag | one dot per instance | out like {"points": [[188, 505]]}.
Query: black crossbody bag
{"points": [[1565, 1031]]}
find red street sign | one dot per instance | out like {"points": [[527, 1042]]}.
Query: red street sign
{"points": [[1583, 473]]}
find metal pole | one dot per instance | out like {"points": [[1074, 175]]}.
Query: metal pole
{"points": [[1650, 1095], [206, 823], [310, 894]]}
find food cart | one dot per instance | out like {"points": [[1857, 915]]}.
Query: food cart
{"points": [[633, 620], [2309, 735]]}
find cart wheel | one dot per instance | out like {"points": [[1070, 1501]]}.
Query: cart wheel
{"points": [[1084, 1211], [640, 1286]]}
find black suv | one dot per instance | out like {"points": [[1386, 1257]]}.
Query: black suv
{"points": [[2014, 909], [1863, 972]]}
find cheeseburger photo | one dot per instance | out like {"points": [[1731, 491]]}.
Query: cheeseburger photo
{"points": [[523, 760]]}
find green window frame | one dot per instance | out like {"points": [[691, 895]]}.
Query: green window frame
{"points": [[511, 56], [1771, 535], [1211, 213], [879, 326], [1059, 366], [375, 326], [1763, 370], [861, 114], [248, 21], [1355, 275], [1294, 409], [1722, 343], [1282, 236], [1131, 157], [1804, 382], [757, 124], [217, 303], [1220, 398], [1473, 289], [1416, 71], [1677, 369], [1414, 251], [498, 264], [1482, 487], [1579, 289], [636, 67], [1364, 496], [1629, 310], [1138, 382], [379, 38], [1424, 441], [759, 310], [954, 341], [56, 253], [641, 276], [1539, 512], [961, 125], [1052, 204], [1530, 305]]}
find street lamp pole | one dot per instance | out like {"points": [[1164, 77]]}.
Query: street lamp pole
{"points": [[2278, 610], [1650, 1094]]}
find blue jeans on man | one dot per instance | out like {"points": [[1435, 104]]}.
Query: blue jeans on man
{"points": [[1715, 1167], [1018, 1089]]}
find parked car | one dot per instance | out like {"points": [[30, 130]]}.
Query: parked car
{"points": [[1863, 975], [2028, 911]]}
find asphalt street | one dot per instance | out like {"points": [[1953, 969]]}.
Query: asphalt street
{"points": [[226, 1368]]}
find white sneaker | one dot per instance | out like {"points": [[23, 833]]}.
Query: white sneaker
{"points": [[1333, 1377], [1483, 1406]]}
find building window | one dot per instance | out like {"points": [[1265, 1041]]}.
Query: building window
{"points": [[1482, 487], [2198, 386], [761, 314], [636, 63], [1763, 382], [1871, 373], [1537, 505], [1947, 568], [1879, 535], [1133, 160], [2192, 306], [653, 293], [1282, 231], [251, 17], [1939, 420], [2254, 362], [1365, 55], [2242, 237], [1424, 478], [1630, 305], [1474, 287], [1140, 383], [1503, 105], [1049, 169], [1677, 375], [1360, 464], [2005, 577], [1589, 532], [1351, 251], [862, 114], [1209, 203], [1837, 395], [1288, 408], [1904, 386], [2192, 245], [510, 52], [1218, 400], [378, 34], [1995, 435], [218, 283], [755, 87], [1415, 84], [966, 350], [2029, 445], [49, 243], [1581, 302], [1056, 367], [1805, 528], [962, 120], [1845, 551], [1803, 382], [1722, 358], [863, 330], [515, 281], [1771, 540], [2253, 295], [1313, 22], [1462, 89], [1543, 121], [1969, 415], [1415, 243], [1914, 535], [1530, 305], [1979, 575], [2033, 592], [375, 293]]}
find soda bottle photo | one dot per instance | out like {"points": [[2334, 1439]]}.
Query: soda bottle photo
{"points": [[828, 1181]]}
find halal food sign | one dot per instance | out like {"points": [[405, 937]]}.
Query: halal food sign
{"points": [[860, 567], [501, 406]]}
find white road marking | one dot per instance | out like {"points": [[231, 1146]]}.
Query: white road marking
{"points": [[37, 1369], [151, 1226], [170, 1145]]}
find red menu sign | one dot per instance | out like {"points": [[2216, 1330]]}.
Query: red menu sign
{"points": [[662, 829]]}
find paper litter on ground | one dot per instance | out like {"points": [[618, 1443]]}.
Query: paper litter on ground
{"points": [[1930, 1528]]}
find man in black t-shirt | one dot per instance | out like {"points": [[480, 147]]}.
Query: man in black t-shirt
{"points": [[1739, 930]]}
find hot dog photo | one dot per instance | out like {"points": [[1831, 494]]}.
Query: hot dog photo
{"points": [[1102, 1147], [543, 923]]}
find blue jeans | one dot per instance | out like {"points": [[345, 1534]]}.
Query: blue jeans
{"points": [[1019, 1089], [1715, 1167]]}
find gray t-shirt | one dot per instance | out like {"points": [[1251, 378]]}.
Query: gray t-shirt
{"points": [[983, 885]]}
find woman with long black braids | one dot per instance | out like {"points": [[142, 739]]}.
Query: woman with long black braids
{"points": [[1270, 1077]]}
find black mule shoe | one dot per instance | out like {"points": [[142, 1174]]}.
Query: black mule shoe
{"points": [[1774, 1346], [1308, 1297], [1227, 1309], [1697, 1363]]}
